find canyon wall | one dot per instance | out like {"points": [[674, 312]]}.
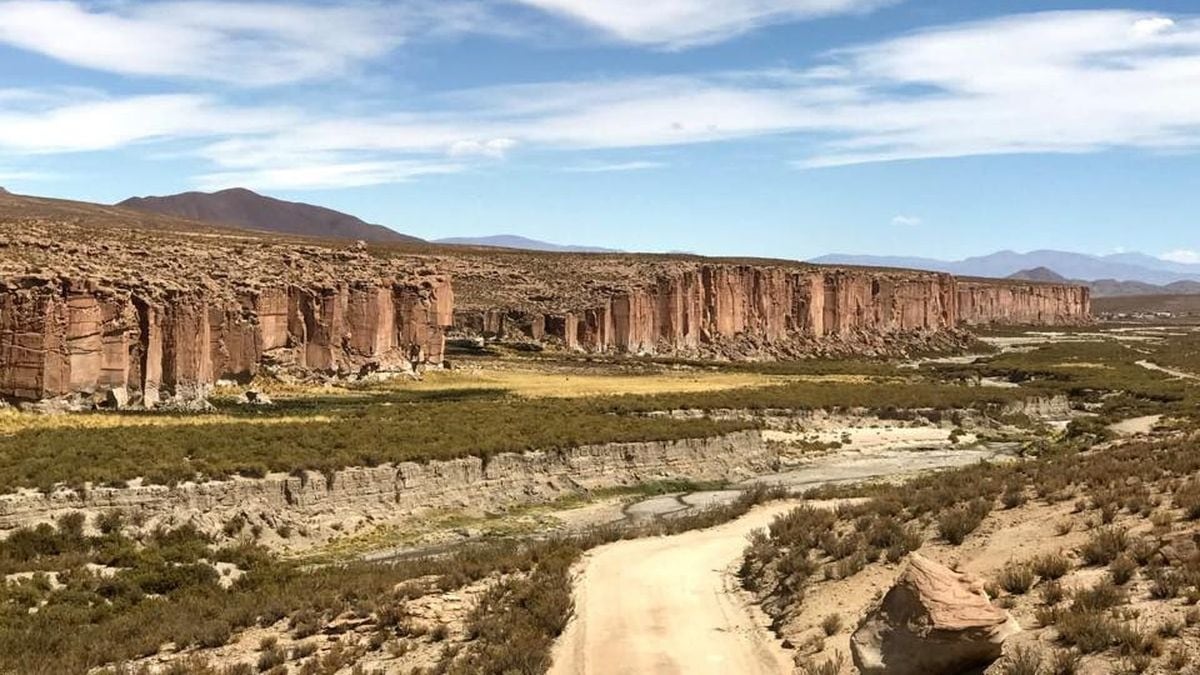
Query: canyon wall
{"points": [[61, 336], [768, 308], [1015, 303], [327, 507]]}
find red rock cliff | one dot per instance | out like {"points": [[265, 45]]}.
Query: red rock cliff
{"points": [[66, 337], [780, 310], [986, 302]]}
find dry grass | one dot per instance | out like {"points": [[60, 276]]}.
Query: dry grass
{"points": [[15, 421]]}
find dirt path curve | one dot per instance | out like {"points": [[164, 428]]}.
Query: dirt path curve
{"points": [[667, 605], [1150, 365]]}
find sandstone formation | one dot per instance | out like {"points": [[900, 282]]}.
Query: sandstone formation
{"points": [[933, 621], [391, 493], [996, 302], [778, 310], [129, 306], [131, 315]]}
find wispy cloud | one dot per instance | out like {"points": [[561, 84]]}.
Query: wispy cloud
{"points": [[100, 123], [244, 43], [1182, 255], [906, 221], [326, 175], [641, 165], [1059, 82], [677, 24]]}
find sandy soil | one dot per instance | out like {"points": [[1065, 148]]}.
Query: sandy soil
{"points": [[670, 605]]}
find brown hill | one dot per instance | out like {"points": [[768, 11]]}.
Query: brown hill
{"points": [[245, 209]]}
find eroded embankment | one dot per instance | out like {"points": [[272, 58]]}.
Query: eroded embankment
{"points": [[314, 507]]}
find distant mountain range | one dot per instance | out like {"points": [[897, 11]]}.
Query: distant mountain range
{"points": [[523, 243], [1119, 267], [242, 208], [239, 207]]}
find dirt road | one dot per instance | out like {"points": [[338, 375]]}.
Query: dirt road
{"points": [[667, 605]]}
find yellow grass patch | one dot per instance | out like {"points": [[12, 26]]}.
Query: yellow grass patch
{"points": [[542, 384], [13, 421]]}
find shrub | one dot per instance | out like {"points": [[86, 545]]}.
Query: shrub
{"points": [[954, 525], [1104, 546], [1051, 566], [832, 624], [1016, 579], [1052, 593], [1064, 662], [1121, 569], [271, 658], [1089, 631], [1022, 661]]}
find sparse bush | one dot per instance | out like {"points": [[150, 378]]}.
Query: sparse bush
{"points": [[832, 624], [1022, 661], [1122, 569], [1051, 566], [954, 525], [1104, 546], [1016, 579]]}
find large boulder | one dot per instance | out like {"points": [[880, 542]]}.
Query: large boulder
{"points": [[933, 621]]}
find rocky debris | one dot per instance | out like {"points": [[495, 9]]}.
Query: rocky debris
{"points": [[933, 621]]}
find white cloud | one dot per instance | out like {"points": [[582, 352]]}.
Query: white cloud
{"points": [[325, 176], [685, 23], [101, 123], [1062, 82], [1182, 255], [495, 148], [247, 43], [1152, 26], [906, 221], [1067, 82], [637, 165]]}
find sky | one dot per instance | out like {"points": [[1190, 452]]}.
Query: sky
{"points": [[781, 128]]}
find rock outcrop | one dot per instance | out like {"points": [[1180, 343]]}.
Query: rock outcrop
{"points": [[392, 493], [777, 310], [933, 621], [61, 337], [1016, 303], [113, 309]]}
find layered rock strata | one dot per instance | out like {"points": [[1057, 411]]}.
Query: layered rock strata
{"points": [[1014, 303], [135, 315], [933, 621], [394, 492], [61, 337], [774, 308]]}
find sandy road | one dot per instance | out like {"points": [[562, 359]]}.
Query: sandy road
{"points": [[666, 605]]}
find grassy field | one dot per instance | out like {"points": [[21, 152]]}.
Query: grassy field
{"points": [[421, 423]]}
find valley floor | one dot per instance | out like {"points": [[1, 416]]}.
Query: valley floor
{"points": [[533, 513]]}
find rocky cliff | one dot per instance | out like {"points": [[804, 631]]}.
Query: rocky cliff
{"points": [[134, 315], [1011, 302], [60, 337], [780, 310]]}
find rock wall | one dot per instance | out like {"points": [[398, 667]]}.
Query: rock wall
{"points": [[769, 306], [983, 302], [60, 337], [392, 493]]}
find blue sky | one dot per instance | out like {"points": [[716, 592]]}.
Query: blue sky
{"points": [[783, 128]]}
